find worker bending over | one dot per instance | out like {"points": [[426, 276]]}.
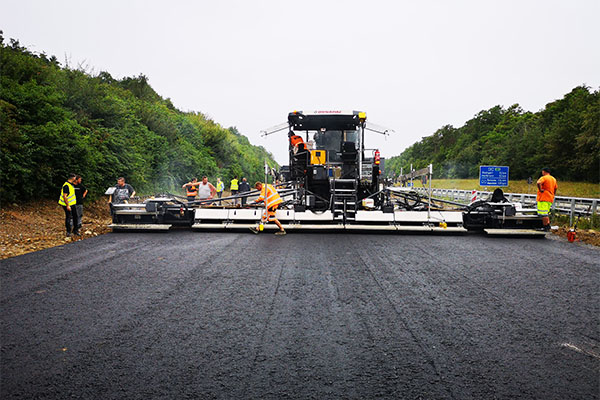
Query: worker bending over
{"points": [[269, 195]]}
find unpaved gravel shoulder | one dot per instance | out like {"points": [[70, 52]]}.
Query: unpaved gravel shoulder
{"points": [[40, 225]]}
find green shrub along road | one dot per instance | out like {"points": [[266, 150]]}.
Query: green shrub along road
{"points": [[55, 120]]}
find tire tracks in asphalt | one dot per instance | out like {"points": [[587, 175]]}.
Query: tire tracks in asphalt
{"points": [[430, 358], [87, 353]]}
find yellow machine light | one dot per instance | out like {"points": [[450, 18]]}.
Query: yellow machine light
{"points": [[443, 225], [362, 115], [261, 227]]}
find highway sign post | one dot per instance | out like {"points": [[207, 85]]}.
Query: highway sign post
{"points": [[491, 175]]}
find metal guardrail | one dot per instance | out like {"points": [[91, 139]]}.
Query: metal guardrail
{"points": [[562, 204]]}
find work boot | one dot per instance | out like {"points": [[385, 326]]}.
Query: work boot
{"points": [[254, 230], [280, 233], [68, 234]]}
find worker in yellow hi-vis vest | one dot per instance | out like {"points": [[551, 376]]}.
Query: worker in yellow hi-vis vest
{"points": [[220, 187], [67, 200], [234, 188]]}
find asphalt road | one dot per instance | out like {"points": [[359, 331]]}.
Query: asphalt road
{"points": [[308, 316]]}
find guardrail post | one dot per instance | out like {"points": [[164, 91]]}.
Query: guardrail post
{"points": [[594, 205], [572, 212]]}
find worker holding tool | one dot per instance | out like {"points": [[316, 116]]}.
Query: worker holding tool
{"points": [[269, 195], [206, 190], [67, 200], [234, 188], [547, 188], [191, 189]]}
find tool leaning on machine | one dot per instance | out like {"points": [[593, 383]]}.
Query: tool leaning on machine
{"points": [[333, 182]]}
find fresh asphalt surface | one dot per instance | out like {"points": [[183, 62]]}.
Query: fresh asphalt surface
{"points": [[308, 315]]}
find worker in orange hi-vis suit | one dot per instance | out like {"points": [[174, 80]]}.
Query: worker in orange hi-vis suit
{"points": [[269, 195], [547, 188]]}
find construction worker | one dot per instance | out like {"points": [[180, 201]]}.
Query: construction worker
{"points": [[244, 188], [123, 192], [206, 190], [269, 195], [80, 193], [191, 189], [234, 188], [547, 188], [295, 142], [220, 188], [67, 200]]}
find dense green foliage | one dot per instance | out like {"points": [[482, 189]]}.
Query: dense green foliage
{"points": [[56, 120], [564, 136]]}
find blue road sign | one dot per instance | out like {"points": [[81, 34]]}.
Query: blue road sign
{"points": [[490, 175]]}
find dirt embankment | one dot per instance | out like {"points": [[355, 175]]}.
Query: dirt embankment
{"points": [[589, 236], [39, 225]]}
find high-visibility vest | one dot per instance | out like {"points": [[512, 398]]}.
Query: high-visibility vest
{"points": [[192, 190], [220, 186], [296, 140], [548, 183], [234, 184], [273, 197], [71, 200]]}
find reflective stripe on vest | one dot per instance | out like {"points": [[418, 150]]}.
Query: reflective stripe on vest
{"points": [[273, 197], [296, 140], [71, 200], [192, 190], [234, 184], [543, 207]]}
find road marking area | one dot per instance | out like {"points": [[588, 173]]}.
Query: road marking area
{"points": [[581, 350]]}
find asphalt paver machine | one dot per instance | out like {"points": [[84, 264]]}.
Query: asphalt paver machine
{"points": [[333, 182]]}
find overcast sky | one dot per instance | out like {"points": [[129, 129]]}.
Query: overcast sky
{"points": [[413, 66]]}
